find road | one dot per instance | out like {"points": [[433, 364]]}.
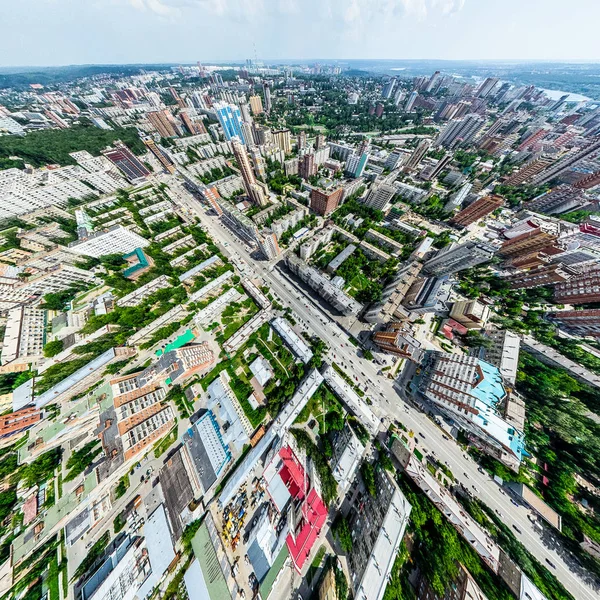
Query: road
{"points": [[387, 403]]}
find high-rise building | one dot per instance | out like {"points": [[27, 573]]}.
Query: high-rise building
{"points": [[578, 322], [542, 275], [307, 166], [472, 314], [411, 101], [433, 80], [267, 92], [319, 141], [477, 210], [457, 199], [471, 392], [255, 191], [458, 257], [256, 105], [259, 162], [378, 110], [439, 167], [535, 165], [579, 290], [380, 195], [324, 203], [283, 139], [356, 163], [192, 127], [485, 89], [570, 160], [460, 131], [397, 339], [388, 88], [164, 123], [122, 157], [418, 154], [394, 160], [268, 244], [230, 118], [301, 140]]}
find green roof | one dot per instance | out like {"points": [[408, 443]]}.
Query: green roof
{"points": [[209, 563], [271, 576]]}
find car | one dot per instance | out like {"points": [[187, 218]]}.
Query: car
{"points": [[465, 475], [514, 502], [551, 563], [516, 528], [444, 436]]}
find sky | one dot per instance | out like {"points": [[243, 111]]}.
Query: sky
{"points": [[61, 32]]}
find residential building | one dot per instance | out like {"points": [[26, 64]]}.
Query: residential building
{"points": [[268, 244], [323, 286], [356, 163], [256, 191], [479, 209], [559, 200], [397, 339], [578, 322], [18, 421], [283, 139], [164, 122], [57, 279], [551, 274], [582, 289], [472, 314], [460, 131], [377, 524], [417, 155], [428, 294], [458, 257], [294, 342], [230, 118], [471, 392], [411, 101], [380, 195], [24, 335], [267, 94], [323, 202], [347, 452], [256, 105], [463, 587], [535, 237], [145, 291], [307, 166], [412, 193], [531, 168], [503, 353]]}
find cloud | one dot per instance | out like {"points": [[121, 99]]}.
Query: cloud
{"points": [[448, 7]]}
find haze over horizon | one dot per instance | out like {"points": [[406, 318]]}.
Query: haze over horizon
{"points": [[69, 32]]}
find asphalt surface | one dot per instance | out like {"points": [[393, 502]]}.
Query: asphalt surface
{"points": [[389, 403]]}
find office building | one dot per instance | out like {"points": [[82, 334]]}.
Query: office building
{"points": [[460, 131], [164, 122], [418, 154], [551, 274], [307, 166], [583, 323], [324, 203], [323, 286], [230, 118], [267, 93], [478, 209], [428, 294], [380, 195], [256, 105], [472, 392], [458, 257], [122, 157], [283, 139], [570, 160], [377, 524], [582, 289], [472, 314]]}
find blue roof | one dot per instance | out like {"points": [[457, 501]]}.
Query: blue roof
{"points": [[489, 389]]}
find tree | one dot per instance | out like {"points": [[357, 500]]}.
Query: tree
{"points": [[342, 532], [334, 421], [368, 474], [53, 348]]}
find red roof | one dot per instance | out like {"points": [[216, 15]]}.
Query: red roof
{"points": [[315, 514], [291, 473]]}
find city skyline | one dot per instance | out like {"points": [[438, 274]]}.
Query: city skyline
{"points": [[165, 31]]}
